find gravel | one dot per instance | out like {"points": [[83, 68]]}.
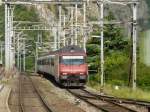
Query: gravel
{"points": [[62, 100]]}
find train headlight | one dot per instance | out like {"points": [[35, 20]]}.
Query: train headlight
{"points": [[82, 77], [64, 73], [64, 77], [81, 73]]}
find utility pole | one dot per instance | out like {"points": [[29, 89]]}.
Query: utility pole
{"points": [[18, 49], [84, 25], [8, 36], [18, 52], [1, 53], [102, 40], [55, 38], [24, 56], [38, 38], [72, 32], [20, 64], [134, 8], [36, 55], [60, 21], [76, 23], [64, 42]]}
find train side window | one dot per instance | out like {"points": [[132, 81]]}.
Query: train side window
{"points": [[52, 61], [44, 62], [41, 62], [60, 59], [47, 61]]}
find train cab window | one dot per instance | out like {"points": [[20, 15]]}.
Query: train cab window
{"points": [[72, 60]]}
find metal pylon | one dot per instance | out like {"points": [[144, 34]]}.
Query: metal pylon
{"points": [[9, 55]]}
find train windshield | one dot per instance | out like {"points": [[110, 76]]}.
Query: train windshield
{"points": [[72, 60]]}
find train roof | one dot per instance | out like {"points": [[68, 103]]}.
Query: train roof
{"points": [[71, 48]]}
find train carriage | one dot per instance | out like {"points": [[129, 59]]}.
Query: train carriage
{"points": [[67, 65]]}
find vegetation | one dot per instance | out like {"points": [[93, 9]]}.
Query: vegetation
{"points": [[2, 21], [116, 53], [22, 13], [117, 60], [124, 92]]}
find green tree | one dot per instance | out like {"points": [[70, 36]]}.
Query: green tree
{"points": [[115, 49]]}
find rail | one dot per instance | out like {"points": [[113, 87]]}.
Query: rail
{"points": [[104, 105], [22, 108], [121, 100]]}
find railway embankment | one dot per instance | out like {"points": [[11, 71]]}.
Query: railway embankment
{"points": [[27, 90], [57, 98], [87, 99], [35, 93], [4, 94], [5, 88]]}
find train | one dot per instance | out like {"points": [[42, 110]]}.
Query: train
{"points": [[67, 65]]}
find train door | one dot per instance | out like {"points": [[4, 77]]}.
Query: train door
{"points": [[56, 66], [53, 65]]}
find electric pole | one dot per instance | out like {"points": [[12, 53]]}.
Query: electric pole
{"points": [[24, 56], [72, 32], [76, 23], [64, 40], [36, 55], [134, 8], [84, 26], [1, 53], [101, 6], [18, 52], [59, 26]]}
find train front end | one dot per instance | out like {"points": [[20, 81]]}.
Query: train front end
{"points": [[73, 70]]}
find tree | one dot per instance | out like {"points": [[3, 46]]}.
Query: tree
{"points": [[115, 48]]}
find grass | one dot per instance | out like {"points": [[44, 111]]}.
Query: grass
{"points": [[123, 92]]}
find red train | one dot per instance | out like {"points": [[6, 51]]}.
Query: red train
{"points": [[68, 65]]}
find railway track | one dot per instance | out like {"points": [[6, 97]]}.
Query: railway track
{"points": [[98, 102], [121, 100], [30, 99]]}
